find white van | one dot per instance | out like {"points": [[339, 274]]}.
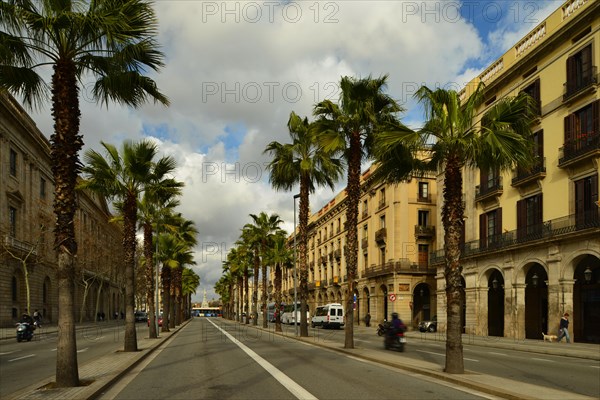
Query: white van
{"points": [[328, 316], [288, 317]]}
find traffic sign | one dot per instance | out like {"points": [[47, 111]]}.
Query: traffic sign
{"points": [[392, 297]]}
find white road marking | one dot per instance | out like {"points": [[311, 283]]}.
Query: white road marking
{"points": [[497, 354], [83, 350], [444, 355], [8, 352], [298, 391], [20, 358], [541, 359]]}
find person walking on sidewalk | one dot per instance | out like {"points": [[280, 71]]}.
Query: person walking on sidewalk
{"points": [[563, 328]]}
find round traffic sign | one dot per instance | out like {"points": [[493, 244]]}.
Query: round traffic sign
{"points": [[392, 297]]}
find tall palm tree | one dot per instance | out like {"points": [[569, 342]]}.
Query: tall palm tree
{"points": [[125, 176], [155, 204], [500, 140], [112, 42], [305, 163], [190, 282], [261, 232], [242, 259], [349, 129], [280, 256]]}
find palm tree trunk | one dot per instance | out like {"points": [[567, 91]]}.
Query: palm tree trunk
{"points": [[129, 244], [278, 298], [302, 251], [255, 289], [452, 218], [166, 298], [263, 305], [353, 189], [66, 143], [247, 296], [149, 256]]}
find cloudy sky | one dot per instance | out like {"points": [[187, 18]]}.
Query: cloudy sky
{"points": [[235, 70]]}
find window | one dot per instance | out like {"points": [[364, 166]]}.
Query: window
{"points": [[581, 128], [382, 221], [423, 255], [533, 90], [423, 191], [13, 163], [382, 255], [381, 198], [490, 228], [365, 208], [529, 216], [586, 197], [423, 218], [365, 231], [12, 221], [42, 188], [579, 70]]}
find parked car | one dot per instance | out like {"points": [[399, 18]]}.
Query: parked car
{"points": [[141, 316], [160, 320], [428, 326]]}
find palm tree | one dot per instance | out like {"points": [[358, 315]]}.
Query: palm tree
{"points": [[154, 205], [125, 177], [241, 260], [500, 141], [349, 129], [111, 41], [302, 162], [280, 256], [260, 234], [190, 282]]}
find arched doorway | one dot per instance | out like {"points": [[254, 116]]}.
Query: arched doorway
{"points": [[536, 302], [586, 301], [421, 304], [496, 304]]}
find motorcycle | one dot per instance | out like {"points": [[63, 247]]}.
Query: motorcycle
{"points": [[394, 338], [381, 329], [24, 331]]}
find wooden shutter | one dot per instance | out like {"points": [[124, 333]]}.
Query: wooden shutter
{"points": [[499, 222], [596, 118], [580, 200], [540, 144], [569, 127], [521, 219], [586, 65], [571, 74], [483, 229], [483, 181]]}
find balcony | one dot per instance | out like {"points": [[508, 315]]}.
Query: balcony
{"points": [[583, 223], [522, 177], [381, 236], [424, 198], [364, 243], [403, 266], [492, 188], [337, 254], [19, 245], [424, 231], [365, 214], [336, 280], [382, 204], [323, 259], [583, 83], [579, 149], [331, 256]]}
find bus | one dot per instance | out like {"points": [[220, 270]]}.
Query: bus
{"points": [[288, 317], [207, 312]]}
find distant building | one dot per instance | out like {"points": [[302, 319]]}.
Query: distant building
{"points": [[396, 233], [26, 231]]}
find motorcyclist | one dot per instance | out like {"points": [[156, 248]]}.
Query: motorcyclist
{"points": [[27, 319], [397, 325]]}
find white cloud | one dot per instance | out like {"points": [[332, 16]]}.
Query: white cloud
{"points": [[225, 77]]}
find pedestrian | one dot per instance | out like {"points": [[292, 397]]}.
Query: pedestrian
{"points": [[37, 319], [563, 328], [368, 319]]}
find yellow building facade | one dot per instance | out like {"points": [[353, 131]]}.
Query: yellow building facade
{"points": [[532, 238], [396, 233]]}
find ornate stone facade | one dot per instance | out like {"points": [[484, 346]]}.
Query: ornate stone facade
{"points": [[26, 224]]}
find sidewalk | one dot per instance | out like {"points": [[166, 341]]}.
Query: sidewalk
{"points": [[108, 369]]}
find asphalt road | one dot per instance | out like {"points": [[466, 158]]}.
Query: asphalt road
{"points": [[207, 360], [24, 363]]}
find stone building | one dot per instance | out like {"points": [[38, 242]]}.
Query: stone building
{"points": [[532, 238], [27, 257], [396, 233]]}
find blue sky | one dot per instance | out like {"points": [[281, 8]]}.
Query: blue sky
{"points": [[235, 70]]}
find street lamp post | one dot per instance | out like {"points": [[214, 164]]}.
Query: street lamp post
{"points": [[156, 285], [295, 274]]}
